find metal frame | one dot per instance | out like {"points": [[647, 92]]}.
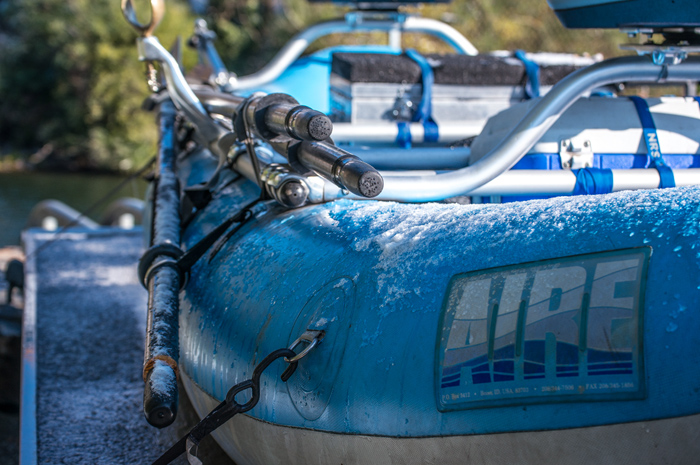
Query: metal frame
{"points": [[419, 187], [387, 133], [490, 175], [354, 22], [514, 182], [65, 216], [532, 127], [556, 182], [180, 92], [417, 158]]}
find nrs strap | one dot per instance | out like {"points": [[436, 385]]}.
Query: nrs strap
{"points": [[403, 138], [424, 112], [532, 70], [592, 181], [651, 139]]}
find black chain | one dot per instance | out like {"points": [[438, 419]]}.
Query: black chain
{"points": [[229, 407]]}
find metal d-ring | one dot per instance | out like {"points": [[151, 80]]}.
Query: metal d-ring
{"points": [[157, 13], [311, 337]]}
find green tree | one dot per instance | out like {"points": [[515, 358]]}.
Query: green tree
{"points": [[71, 84]]}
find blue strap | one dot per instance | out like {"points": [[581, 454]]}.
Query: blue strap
{"points": [[403, 138], [532, 69], [603, 93], [591, 181], [424, 112], [431, 134], [651, 139]]}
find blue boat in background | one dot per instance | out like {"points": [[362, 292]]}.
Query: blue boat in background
{"points": [[468, 258]]}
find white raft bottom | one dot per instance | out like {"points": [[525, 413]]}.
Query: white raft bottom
{"points": [[250, 441]]}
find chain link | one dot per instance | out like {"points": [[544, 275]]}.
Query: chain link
{"points": [[230, 407]]}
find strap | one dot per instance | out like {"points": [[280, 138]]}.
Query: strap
{"points": [[532, 69], [432, 133], [403, 138], [214, 237], [424, 112], [592, 181], [651, 139], [183, 261]]}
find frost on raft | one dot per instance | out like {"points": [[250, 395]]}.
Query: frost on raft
{"points": [[412, 239]]}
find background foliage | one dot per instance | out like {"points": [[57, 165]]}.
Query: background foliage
{"points": [[71, 85]]}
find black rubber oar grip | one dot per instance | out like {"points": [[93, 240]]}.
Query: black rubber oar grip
{"points": [[342, 168]]}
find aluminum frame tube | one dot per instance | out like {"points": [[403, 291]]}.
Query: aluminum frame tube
{"points": [[65, 216], [514, 182], [182, 95], [387, 133], [532, 127], [419, 158], [563, 182], [296, 46], [544, 182], [218, 102]]}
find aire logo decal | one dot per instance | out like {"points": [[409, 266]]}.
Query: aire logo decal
{"points": [[555, 330]]}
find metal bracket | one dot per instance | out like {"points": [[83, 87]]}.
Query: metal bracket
{"points": [[312, 337], [403, 107], [575, 154], [203, 41], [663, 54], [355, 18]]}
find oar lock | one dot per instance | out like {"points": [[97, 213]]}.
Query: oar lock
{"points": [[302, 136]]}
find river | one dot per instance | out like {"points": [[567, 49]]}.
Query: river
{"points": [[19, 192]]}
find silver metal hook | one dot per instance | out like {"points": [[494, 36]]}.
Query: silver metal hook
{"points": [[157, 13]]}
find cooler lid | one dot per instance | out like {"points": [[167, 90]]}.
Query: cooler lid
{"points": [[615, 14]]}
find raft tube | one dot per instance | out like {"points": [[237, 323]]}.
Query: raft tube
{"points": [[546, 330]]}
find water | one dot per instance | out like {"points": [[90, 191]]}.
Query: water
{"points": [[19, 192]]}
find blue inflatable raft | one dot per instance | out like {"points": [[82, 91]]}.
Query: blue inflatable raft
{"points": [[501, 270]]}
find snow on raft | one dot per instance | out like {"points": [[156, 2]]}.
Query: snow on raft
{"points": [[400, 228], [414, 237]]}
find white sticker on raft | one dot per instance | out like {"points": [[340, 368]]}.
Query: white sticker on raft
{"points": [[544, 328]]}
